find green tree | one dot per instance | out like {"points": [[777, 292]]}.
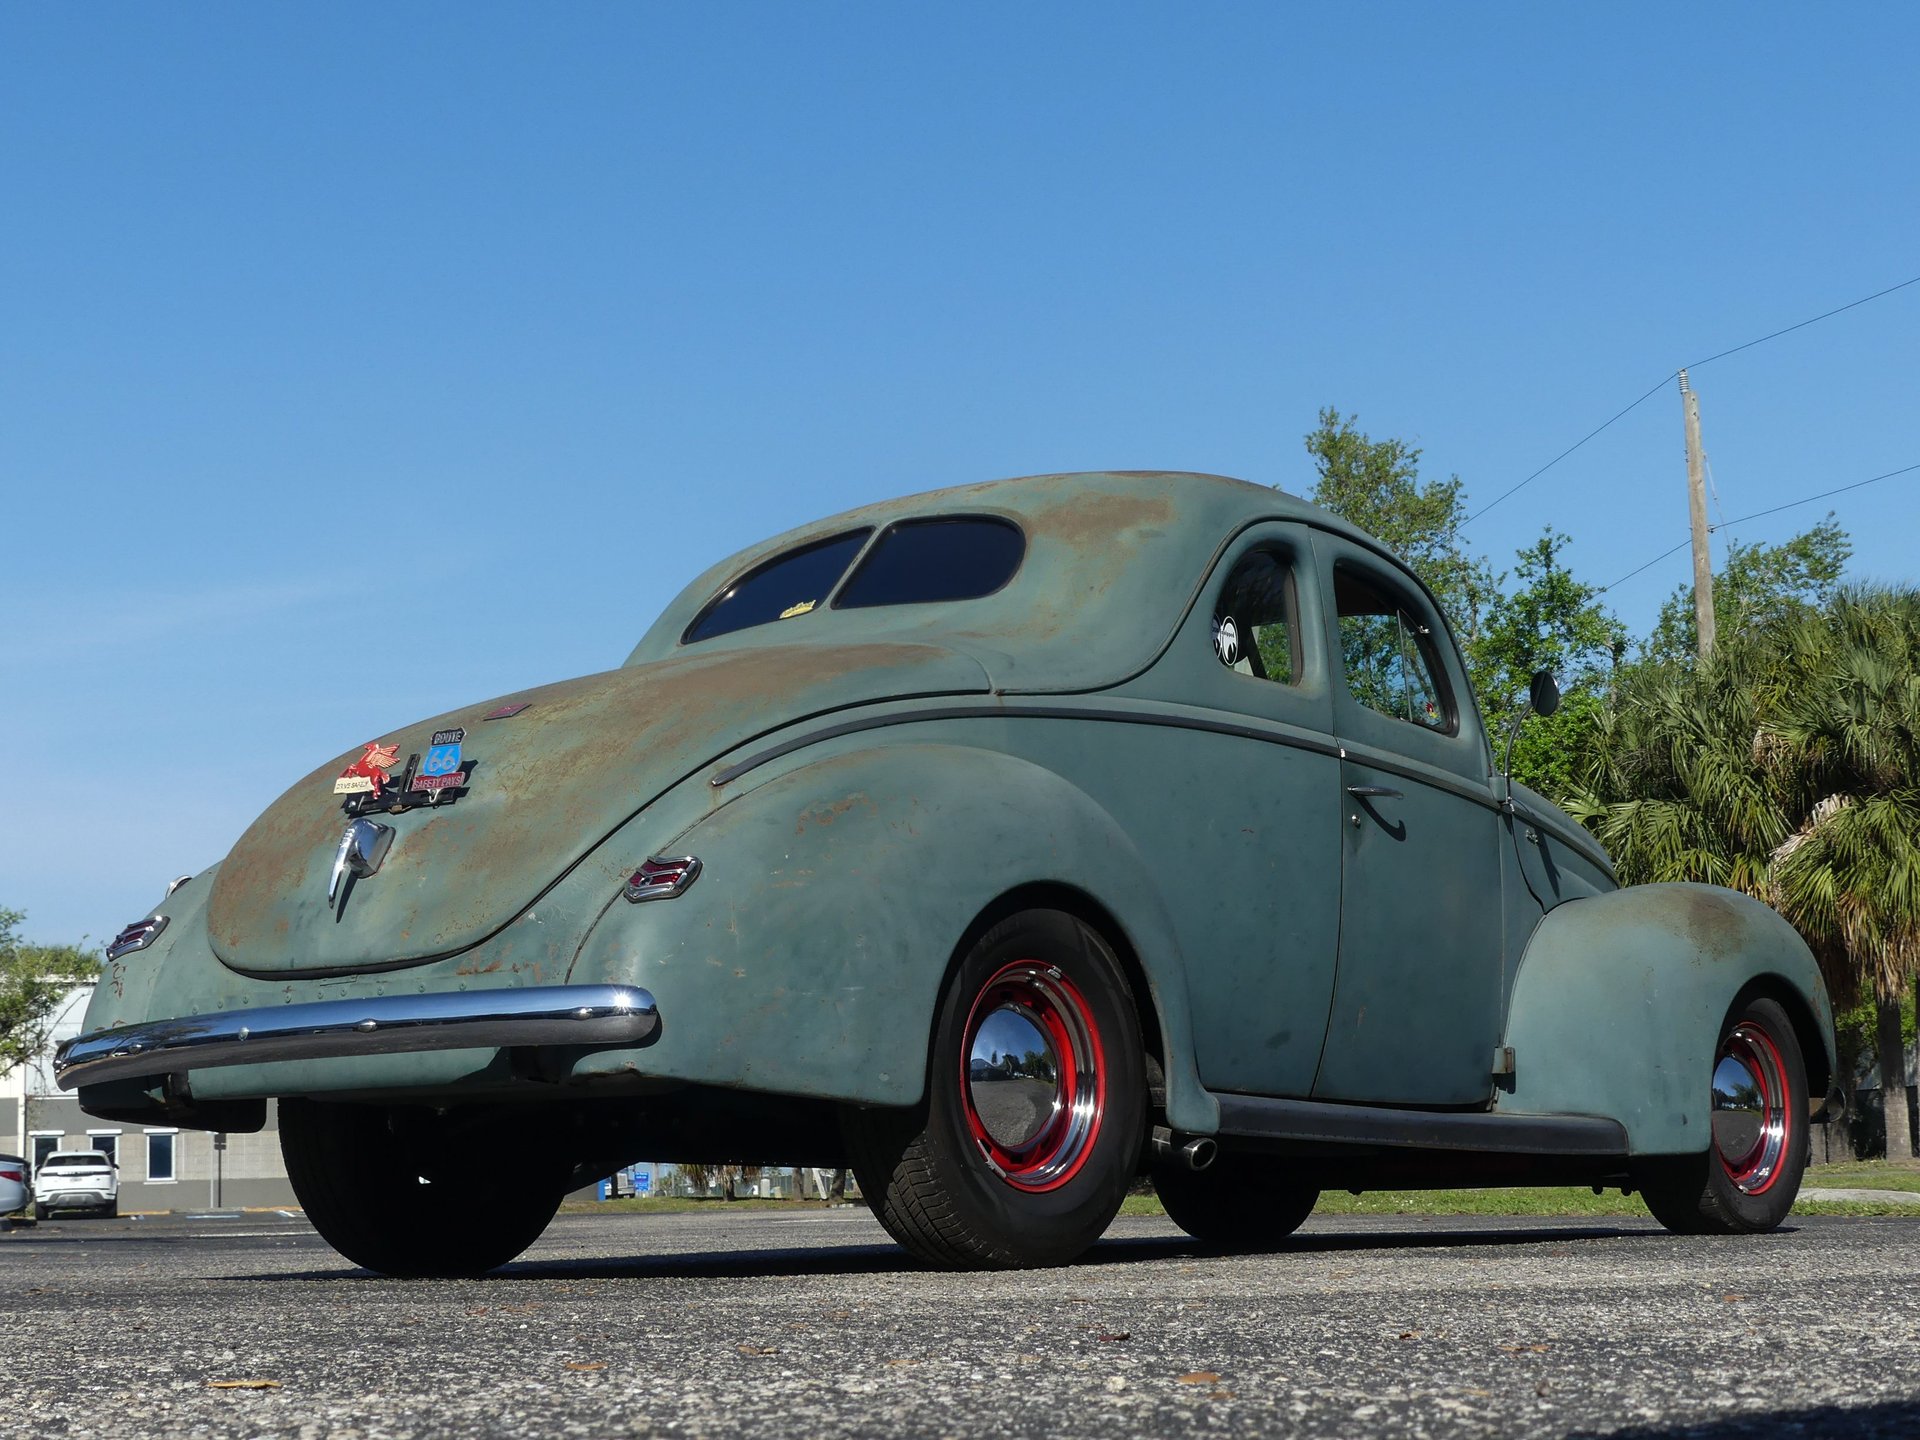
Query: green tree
{"points": [[1666, 776], [1787, 767], [1375, 484], [1843, 743], [1548, 620], [1759, 585], [34, 979]]}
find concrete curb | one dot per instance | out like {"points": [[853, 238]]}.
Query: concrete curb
{"points": [[1864, 1197]]}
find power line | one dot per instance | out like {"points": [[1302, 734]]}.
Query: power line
{"points": [[1757, 514], [1648, 566], [1804, 323], [1841, 490], [1774, 335], [1658, 387]]}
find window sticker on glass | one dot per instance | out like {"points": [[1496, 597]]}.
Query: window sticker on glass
{"points": [[1253, 631]]}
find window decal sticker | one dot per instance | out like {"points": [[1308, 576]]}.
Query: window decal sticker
{"points": [[1226, 639]]}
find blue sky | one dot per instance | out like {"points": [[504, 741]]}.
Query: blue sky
{"points": [[356, 362]]}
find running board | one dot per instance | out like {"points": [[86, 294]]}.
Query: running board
{"points": [[1255, 1117]]}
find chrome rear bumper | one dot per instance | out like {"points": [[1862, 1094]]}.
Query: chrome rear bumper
{"points": [[388, 1025]]}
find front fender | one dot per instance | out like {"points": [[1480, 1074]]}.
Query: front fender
{"points": [[808, 957], [1620, 998]]}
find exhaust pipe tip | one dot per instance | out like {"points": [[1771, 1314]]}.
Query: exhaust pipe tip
{"points": [[1193, 1152], [1199, 1152]]}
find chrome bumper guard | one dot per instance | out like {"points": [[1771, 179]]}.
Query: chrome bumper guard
{"points": [[597, 1015]]}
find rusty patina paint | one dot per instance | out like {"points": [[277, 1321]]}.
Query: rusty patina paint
{"points": [[1109, 568], [841, 873], [1619, 1003], [1715, 923], [547, 786]]}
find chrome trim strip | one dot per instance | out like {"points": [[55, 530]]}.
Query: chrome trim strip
{"points": [[384, 1025]]}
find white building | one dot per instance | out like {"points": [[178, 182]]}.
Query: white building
{"points": [[161, 1166]]}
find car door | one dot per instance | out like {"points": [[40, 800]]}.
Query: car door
{"points": [[1249, 786], [1416, 1003]]}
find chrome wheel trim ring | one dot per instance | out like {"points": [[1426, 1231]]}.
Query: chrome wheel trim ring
{"points": [[1752, 1116], [1051, 1150]]}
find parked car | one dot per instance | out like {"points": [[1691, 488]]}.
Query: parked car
{"points": [[16, 1189], [76, 1180], [1004, 842]]}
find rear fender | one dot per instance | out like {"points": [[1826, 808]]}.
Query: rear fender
{"points": [[1620, 998], [808, 956]]}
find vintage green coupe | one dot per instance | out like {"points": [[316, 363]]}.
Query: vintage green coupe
{"points": [[1002, 842]]}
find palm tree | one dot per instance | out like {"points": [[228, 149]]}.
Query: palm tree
{"points": [[1788, 768], [1847, 742], [1667, 781]]}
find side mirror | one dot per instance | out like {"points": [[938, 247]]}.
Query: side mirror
{"points": [[1543, 698], [1543, 694]]}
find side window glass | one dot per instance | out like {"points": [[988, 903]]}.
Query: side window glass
{"points": [[1388, 653], [783, 588], [1254, 626], [949, 558]]}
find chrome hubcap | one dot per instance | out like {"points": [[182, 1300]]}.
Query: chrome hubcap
{"points": [[1013, 1076], [1034, 1084], [1751, 1117]]}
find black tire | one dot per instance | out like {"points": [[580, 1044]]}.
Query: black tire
{"points": [[1240, 1203], [112, 1212], [40, 1212], [1747, 1179], [394, 1200], [960, 1193]]}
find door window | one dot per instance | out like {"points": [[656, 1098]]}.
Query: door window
{"points": [[1388, 654], [1255, 620]]}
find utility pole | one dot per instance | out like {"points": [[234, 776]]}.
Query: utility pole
{"points": [[1697, 507]]}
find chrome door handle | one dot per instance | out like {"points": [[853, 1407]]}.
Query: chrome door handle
{"points": [[1370, 791]]}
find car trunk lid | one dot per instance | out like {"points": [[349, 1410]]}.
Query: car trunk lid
{"points": [[543, 787]]}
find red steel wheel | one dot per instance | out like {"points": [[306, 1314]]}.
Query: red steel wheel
{"points": [[1748, 1177], [1035, 1107], [1753, 1123], [1034, 1086]]}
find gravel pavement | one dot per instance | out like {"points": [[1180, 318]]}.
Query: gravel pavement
{"points": [[813, 1325]]}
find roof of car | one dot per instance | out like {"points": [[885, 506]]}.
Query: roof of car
{"points": [[1112, 561]]}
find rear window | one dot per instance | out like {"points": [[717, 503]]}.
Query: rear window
{"points": [[784, 588], [76, 1162], [950, 558]]}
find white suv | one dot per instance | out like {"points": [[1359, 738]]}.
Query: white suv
{"points": [[76, 1180]]}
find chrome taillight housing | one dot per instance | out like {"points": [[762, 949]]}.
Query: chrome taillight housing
{"points": [[137, 936], [661, 878]]}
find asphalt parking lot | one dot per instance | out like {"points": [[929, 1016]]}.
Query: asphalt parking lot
{"points": [[811, 1324]]}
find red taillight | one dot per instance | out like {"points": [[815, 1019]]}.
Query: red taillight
{"points": [[136, 936], [661, 879], [7, 1172]]}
